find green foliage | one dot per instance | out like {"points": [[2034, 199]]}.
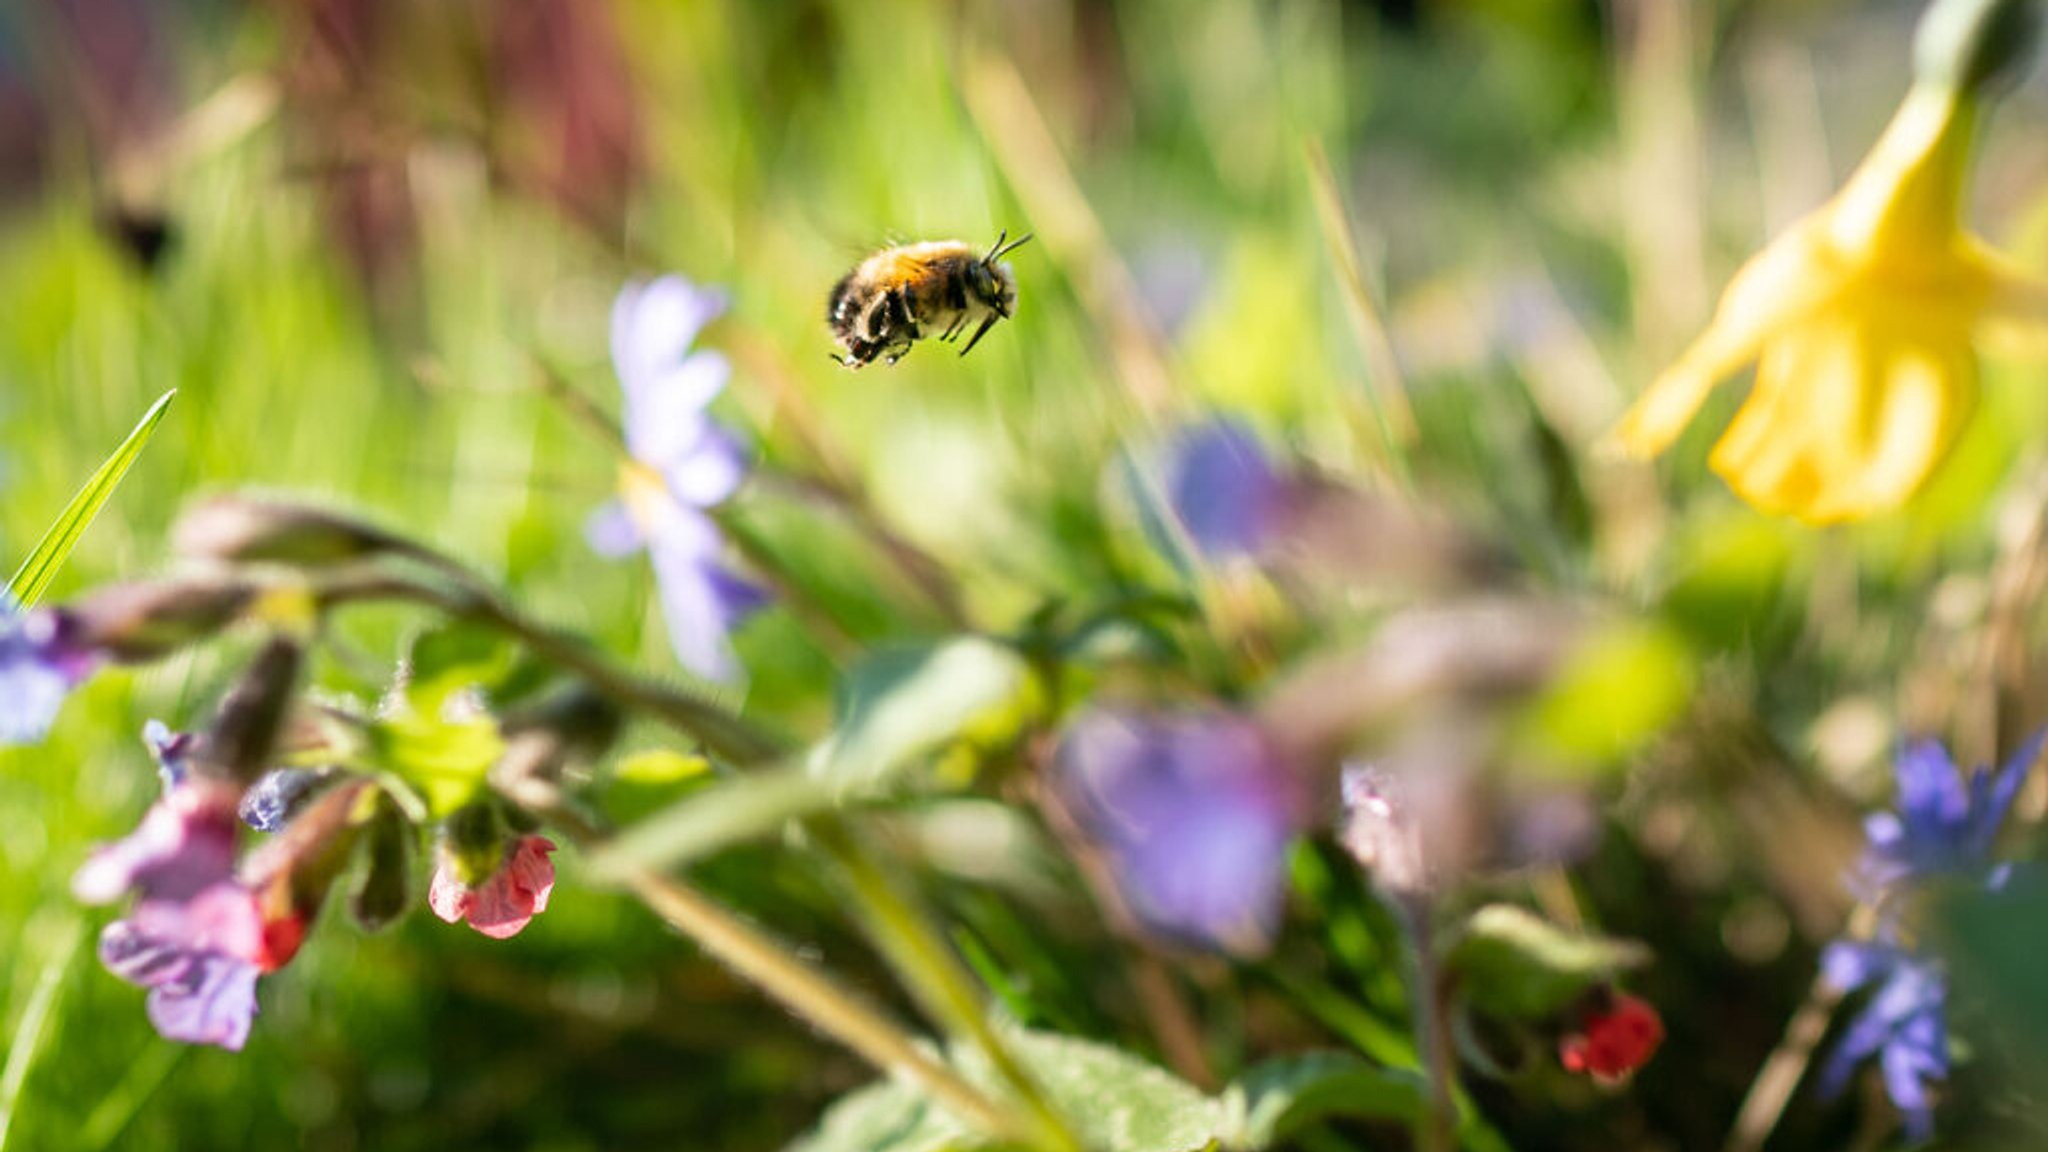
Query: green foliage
{"points": [[1120, 1104], [1272, 1101], [1616, 691], [900, 706], [1509, 962], [33, 578]]}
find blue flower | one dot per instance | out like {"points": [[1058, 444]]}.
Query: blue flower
{"points": [[39, 666], [1903, 1025], [1945, 824], [1194, 813], [1224, 490], [681, 463]]}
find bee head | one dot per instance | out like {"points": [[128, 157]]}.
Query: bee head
{"points": [[992, 282]]}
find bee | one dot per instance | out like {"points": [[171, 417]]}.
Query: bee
{"points": [[900, 295]]}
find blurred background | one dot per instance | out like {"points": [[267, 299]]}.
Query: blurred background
{"points": [[370, 241]]}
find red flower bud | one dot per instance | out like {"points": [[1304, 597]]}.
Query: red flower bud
{"points": [[1614, 1039]]}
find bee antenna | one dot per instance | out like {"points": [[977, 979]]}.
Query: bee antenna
{"points": [[1001, 249]]}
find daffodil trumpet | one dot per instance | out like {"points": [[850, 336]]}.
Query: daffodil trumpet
{"points": [[1862, 320]]}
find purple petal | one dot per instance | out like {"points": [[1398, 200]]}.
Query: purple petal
{"points": [[700, 601], [30, 695], [666, 420], [212, 1002], [138, 957], [1222, 488], [1932, 797], [172, 751], [653, 326], [612, 533], [1849, 965], [185, 843], [1998, 792], [709, 471], [38, 668], [1195, 815]]}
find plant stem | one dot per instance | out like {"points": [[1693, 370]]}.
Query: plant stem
{"points": [[810, 994], [801, 987], [715, 727], [1782, 1070], [1435, 1129], [934, 975]]}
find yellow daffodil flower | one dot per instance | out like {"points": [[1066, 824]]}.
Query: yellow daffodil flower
{"points": [[1861, 320]]}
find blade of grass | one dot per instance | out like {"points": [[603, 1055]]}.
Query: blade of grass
{"points": [[33, 578], [28, 1033]]}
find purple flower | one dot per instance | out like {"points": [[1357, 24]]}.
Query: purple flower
{"points": [[682, 463], [1945, 824], [39, 666], [197, 938], [185, 843], [199, 958], [1223, 489], [1903, 1025], [1195, 813]]}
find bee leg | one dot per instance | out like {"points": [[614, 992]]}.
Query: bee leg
{"points": [[986, 324], [953, 330], [904, 314]]}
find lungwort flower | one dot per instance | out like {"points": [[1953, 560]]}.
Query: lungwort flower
{"points": [[1862, 317], [681, 463], [502, 903], [197, 937]]}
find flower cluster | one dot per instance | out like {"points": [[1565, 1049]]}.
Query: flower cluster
{"points": [[681, 464], [198, 936], [1942, 833]]}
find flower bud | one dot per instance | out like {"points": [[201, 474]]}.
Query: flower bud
{"points": [[245, 730], [146, 621], [294, 869], [386, 887], [1968, 45], [248, 529]]}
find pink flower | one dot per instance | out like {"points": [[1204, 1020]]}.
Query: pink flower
{"points": [[507, 899]]}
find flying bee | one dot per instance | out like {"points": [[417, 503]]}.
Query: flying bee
{"points": [[900, 295]]}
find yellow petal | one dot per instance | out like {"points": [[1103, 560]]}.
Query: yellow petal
{"points": [[2014, 309], [1851, 413], [1779, 286], [1905, 195]]}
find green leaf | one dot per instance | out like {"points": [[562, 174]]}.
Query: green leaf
{"points": [[899, 706], [1280, 1097], [452, 658], [443, 757], [734, 811], [887, 1117], [1117, 1103], [1511, 963], [33, 578]]}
